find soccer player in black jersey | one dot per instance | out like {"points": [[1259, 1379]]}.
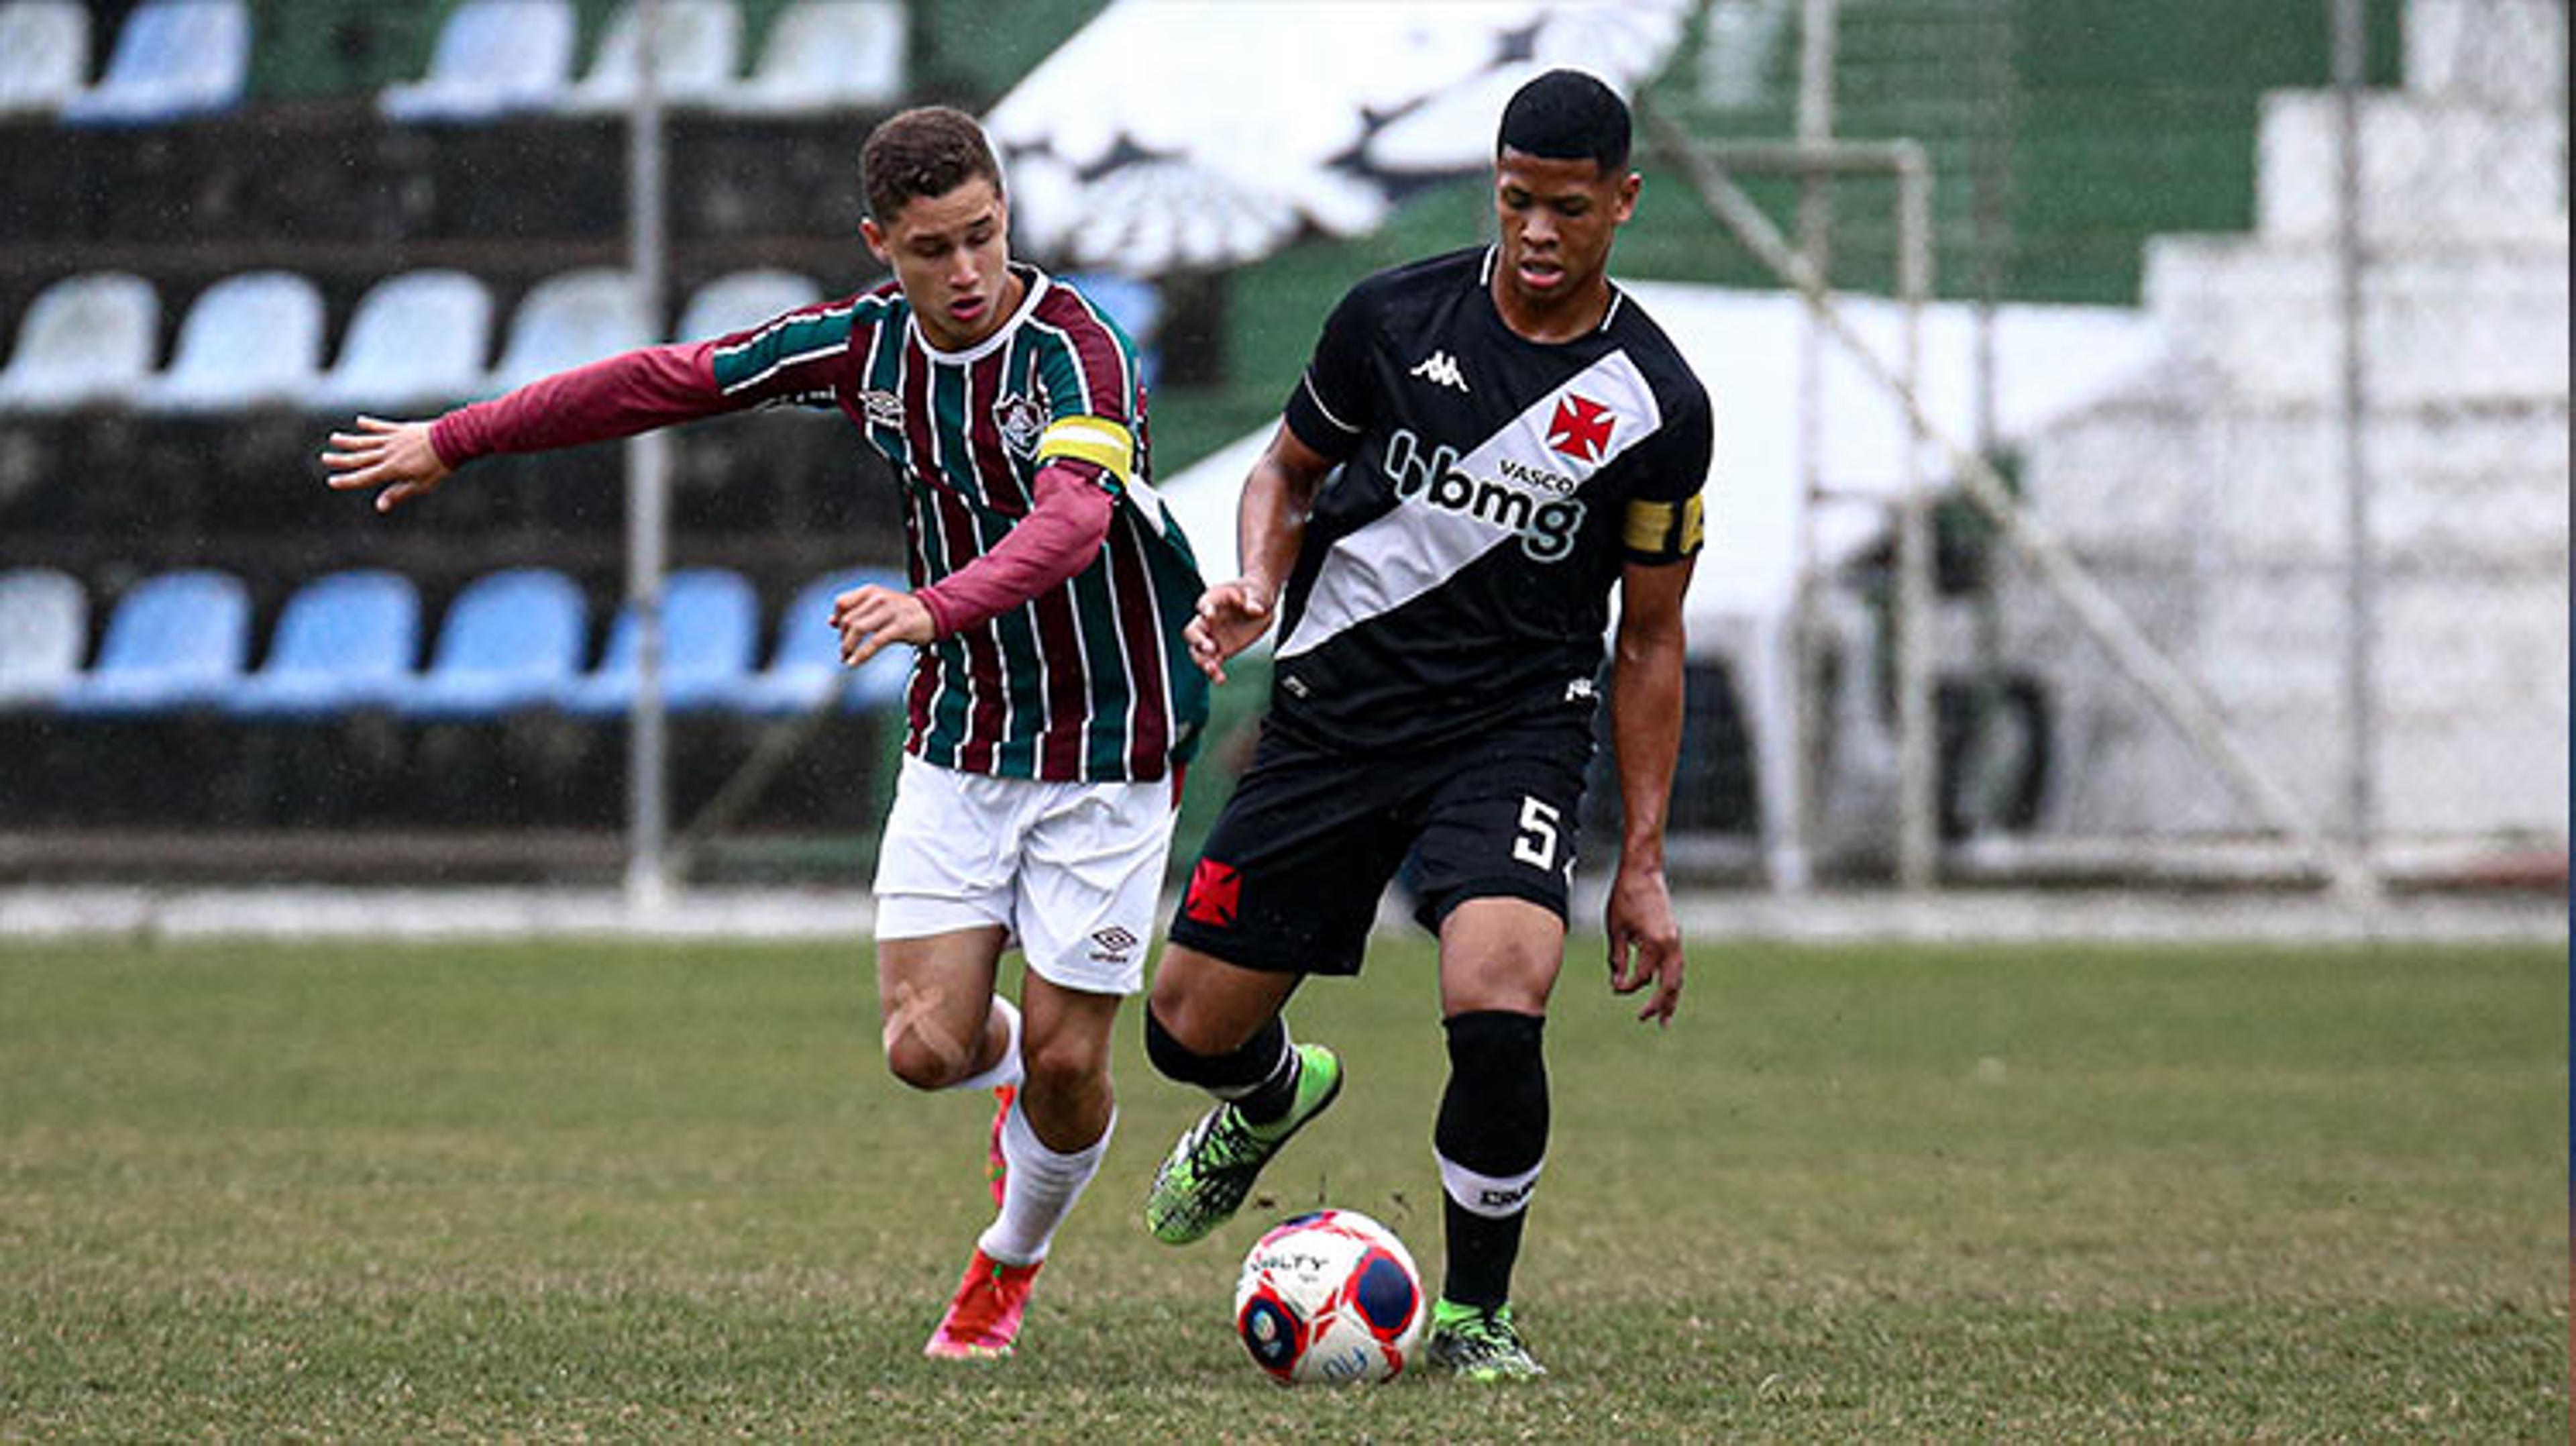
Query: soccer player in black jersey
{"points": [[1484, 446]]}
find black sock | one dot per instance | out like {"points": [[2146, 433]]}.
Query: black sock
{"points": [[1259, 1075], [1491, 1139]]}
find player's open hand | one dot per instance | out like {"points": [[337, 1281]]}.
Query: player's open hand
{"points": [[1232, 616], [871, 617], [1645, 941], [393, 457]]}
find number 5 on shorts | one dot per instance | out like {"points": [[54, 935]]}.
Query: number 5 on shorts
{"points": [[1535, 844]]}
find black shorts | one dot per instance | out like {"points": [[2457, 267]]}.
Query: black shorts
{"points": [[1290, 876]]}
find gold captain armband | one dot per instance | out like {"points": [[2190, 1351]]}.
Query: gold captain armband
{"points": [[1096, 440], [1665, 529]]}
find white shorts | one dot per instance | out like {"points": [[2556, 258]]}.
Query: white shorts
{"points": [[1073, 870]]}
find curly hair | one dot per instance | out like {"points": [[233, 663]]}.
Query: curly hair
{"points": [[927, 151]]}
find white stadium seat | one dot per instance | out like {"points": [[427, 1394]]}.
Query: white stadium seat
{"points": [[88, 338], [493, 57]]}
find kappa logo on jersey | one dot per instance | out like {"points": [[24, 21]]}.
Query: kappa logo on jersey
{"points": [[1022, 422], [1441, 370], [1582, 428], [1547, 529], [883, 409], [1216, 894]]}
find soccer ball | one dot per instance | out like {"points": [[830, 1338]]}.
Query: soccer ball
{"points": [[1330, 1297]]}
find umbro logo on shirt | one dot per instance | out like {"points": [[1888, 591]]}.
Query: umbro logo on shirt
{"points": [[1441, 370]]}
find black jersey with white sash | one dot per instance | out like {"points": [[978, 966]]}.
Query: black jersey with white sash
{"points": [[1457, 567]]}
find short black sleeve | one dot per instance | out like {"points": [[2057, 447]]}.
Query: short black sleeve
{"points": [[1333, 404], [1665, 516]]}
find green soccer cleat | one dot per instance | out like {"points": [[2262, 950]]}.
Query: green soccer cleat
{"points": [[1479, 1345], [1203, 1181]]}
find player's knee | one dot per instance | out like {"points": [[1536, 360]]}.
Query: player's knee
{"points": [[1185, 1054], [918, 1063], [1062, 1068]]}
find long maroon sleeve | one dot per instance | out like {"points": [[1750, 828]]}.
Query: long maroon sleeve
{"points": [[1059, 537], [633, 392]]}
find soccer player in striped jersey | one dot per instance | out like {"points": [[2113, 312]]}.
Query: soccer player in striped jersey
{"points": [[1052, 703], [1486, 445]]}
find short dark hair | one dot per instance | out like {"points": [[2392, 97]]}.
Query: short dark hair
{"points": [[1566, 115], [930, 150]]}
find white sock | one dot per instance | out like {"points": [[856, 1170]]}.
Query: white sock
{"points": [[1006, 1070], [1039, 1191]]}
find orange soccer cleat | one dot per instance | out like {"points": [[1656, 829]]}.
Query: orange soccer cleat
{"points": [[985, 1317]]}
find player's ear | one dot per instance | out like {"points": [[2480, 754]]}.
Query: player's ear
{"points": [[876, 240], [1626, 205]]}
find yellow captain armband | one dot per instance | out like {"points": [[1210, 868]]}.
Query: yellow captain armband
{"points": [[1097, 440], [1665, 529]]}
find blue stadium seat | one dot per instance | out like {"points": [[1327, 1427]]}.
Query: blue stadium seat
{"points": [[710, 636], [87, 338], [176, 641], [512, 640], [345, 641], [44, 630], [492, 57], [173, 59], [419, 339], [805, 669], [251, 338], [44, 54]]}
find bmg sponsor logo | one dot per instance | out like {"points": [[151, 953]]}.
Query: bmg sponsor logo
{"points": [[1546, 527]]}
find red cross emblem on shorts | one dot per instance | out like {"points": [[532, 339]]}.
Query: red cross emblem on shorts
{"points": [[1216, 891], [1582, 428]]}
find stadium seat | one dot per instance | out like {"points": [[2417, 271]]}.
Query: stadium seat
{"points": [[44, 54], [87, 338], [512, 640], [492, 57], [417, 340], [568, 320], [176, 641], [173, 59], [696, 53], [805, 669], [742, 299], [44, 630], [826, 55], [345, 641], [251, 338], [711, 634]]}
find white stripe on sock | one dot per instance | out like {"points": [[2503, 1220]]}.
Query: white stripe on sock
{"points": [[1487, 1195]]}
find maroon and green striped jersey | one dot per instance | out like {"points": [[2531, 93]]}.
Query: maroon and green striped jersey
{"points": [[1088, 681]]}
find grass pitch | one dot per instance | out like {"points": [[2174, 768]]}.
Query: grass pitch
{"points": [[555, 1192]]}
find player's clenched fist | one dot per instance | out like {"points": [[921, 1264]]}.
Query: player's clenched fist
{"points": [[870, 617], [1232, 616]]}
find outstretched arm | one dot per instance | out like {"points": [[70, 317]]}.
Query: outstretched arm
{"points": [[618, 397], [1270, 523], [1646, 730]]}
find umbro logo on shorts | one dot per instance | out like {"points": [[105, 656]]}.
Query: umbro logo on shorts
{"points": [[1114, 944], [1441, 370]]}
